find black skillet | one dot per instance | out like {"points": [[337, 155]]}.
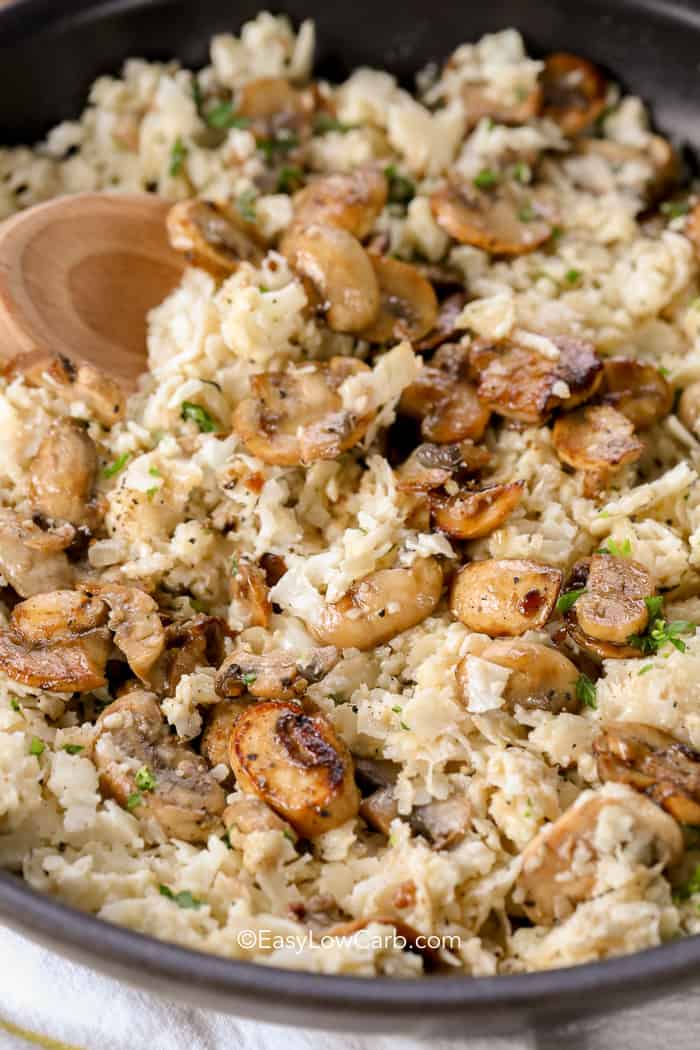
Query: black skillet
{"points": [[50, 52]]}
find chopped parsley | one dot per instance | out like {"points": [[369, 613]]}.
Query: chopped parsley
{"points": [[689, 887], [283, 142], [234, 566], [250, 678], [663, 371], [289, 835], [73, 749], [527, 812], [15, 704], [245, 204], [37, 746], [154, 472], [178, 155], [654, 605], [134, 800], [557, 232], [150, 493], [289, 179], [401, 189], [572, 276], [118, 464], [183, 899], [223, 116], [566, 600], [645, 669], [674, 209], [617, 550], [145, 779], [585, 691], [206, 422], [526, 213], [522, 172], [325, 122], [659, 633], [485, 179]]}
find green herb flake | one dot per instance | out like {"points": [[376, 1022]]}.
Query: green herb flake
{"points": [[566, 600], [206, 422], [183, 899], [150, 493], [145, 779], [528, 808], [617, 550], [660, 633], [404, 726], [645, 670], [283, 142], [325, 122], [37, 746], [15, 704], [178, 155], [397, 710], [665, 372], [654, 605], [522, 172], [289, 179], [250, 679], [556, 234], [289, 835], [116, 466], [526, 213], [225, 838], [234, 566], [486, 179], [401, 189], [245, 204], [134, 800], [586, 692], [223, 117], [674, 209], [572, 276], [73, 749], [689, 887], [154, 472]]}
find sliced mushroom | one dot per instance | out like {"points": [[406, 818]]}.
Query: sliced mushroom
{"points": [[380, 606], [444, 327], [689, 407], [189, 644], [444, 822], [32, 560], [211, 237], [278, 675], [598, 440], [135, 621], [297, 417], [431, 466], [613, 607], [57, 641], [445, 400], [349, 201], [408, 305], [249, 591], [541, 677], [575, 92], [247, 815], [652, 762], [340, 270], [271, 103], [506, 220], [559, 866], [522, 384], [63, 474], [132, 735], [504, 596], [637, 390], [469, 515], [220, 720], [102, 394], [296, 764]]}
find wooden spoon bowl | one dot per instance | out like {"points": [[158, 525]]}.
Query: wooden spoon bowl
{"points": [[78, 276]]}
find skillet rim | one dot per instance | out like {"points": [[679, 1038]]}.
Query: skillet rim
{"points": [[332, 1001]]}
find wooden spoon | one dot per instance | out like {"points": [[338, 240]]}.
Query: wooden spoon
{"points": [[78, 276]]}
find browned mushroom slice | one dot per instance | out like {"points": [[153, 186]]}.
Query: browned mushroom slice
{"points": [[478, 104], [278, 675], [505, 596], [445, 400], [102, 394], [135, 621], [246, 815], [505, 220], [379, 809], [57, 641], [450, 364], [189, 644], [349, 201], [297, 417], [220, 720], [63, 473], [598, 440], [340, 270], [444, 327], [521, 384], [443, 822], [249, 589], [637, 390], [652, 761], [271, 104], [33, 560], [559, 866], [210, 237], [575, 92], [541, 677], [296, 764], [381, 606], [179, 792], [408, 305], [613, 607], [469, 515], [431, 466]]}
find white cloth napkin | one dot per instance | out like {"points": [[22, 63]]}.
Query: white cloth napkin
{"points": [[50, 1002]]}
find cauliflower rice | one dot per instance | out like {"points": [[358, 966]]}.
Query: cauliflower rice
{"points": [[187, 512]]}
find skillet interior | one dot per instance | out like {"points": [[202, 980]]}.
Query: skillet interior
{"points": [[654, 46]]}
